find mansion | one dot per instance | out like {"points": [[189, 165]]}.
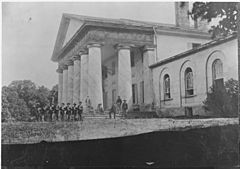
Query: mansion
{"points": [[168, 66]]}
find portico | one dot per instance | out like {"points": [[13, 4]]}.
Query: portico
{"points": [[97, 62]]}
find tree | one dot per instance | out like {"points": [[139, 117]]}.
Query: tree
{"points": [[13, 107], [223, 102], [225, 11], [20, 99]]}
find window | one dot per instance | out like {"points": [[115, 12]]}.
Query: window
{"points": [[166, 86], [188, 111], [104, 72], [132, 59], [189, 82], [113, 68], [142, 91], [217, 69], [134, 93], [195, 45]]}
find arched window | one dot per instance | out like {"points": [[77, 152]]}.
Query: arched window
{"points": [[189, 82], [217, 70], [166, 86]]}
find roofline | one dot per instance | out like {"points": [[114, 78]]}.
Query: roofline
{"points": [[166, 29], [192, 51]]}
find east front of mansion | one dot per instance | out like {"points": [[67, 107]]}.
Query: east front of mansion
{"points": [[168, 67]]}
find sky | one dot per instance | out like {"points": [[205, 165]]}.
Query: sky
{"points": [[29, 31]]}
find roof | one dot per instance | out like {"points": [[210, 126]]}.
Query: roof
{"points": [[107, 22], [192, 51]]}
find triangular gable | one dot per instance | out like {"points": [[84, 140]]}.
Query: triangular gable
{"points": [[68, 27]]}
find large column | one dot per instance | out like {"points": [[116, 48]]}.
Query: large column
{"points": [[95, 74], [70, 82], [124, 74], [84, 76], [65, 84], [60, 85], [149, 57], [76, 79]]}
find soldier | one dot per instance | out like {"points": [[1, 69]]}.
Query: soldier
{"points": [[124, 108], [74, 112], [68, 111], [88, 103], [61, 112], [119, 103], [80, 111], [57, 112], [51, 112], [46, 113], [112, 110]]}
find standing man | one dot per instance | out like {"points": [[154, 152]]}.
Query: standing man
{"points": [[124, 108], [88, 103], [68, 111], [119, 103], [51, 112], [112, 111], [61, 112], [74, 111], [80, 111]]}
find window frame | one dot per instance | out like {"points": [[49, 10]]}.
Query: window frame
{"points": [[166, 93], [189, 82]]}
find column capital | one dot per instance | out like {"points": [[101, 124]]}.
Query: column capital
{"points": [[59, 70], [69, 62], [94, 44], [123, 46], [146, 48], [83, 52], [64, 67], [75, 57]]}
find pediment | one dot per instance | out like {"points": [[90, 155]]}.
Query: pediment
{"points": [[68, 27]]}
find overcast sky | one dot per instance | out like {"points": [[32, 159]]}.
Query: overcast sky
{"points": [[30, 30]]}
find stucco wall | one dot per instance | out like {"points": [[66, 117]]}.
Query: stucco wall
{"points": [[168, 46], [227, 52]]}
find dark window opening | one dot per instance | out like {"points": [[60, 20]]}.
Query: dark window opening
{"points": [[166, 85], [189, 82], [188, 111], [134, 94], [217, 68], [132, 59], [142, 91]]}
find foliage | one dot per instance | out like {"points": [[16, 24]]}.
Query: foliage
{"points": [[20, 99], [225, 11], [13, 107], [224, 102]]}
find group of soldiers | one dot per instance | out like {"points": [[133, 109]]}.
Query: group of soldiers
{"points": [[63, 112], [74, 112], [118, 107]]}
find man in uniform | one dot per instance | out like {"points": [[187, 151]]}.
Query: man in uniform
{"points": [[112, 111], [88, 103], [119, 103], [74, 112], [68, 111], [124, 108], [61, 112], [51, 112], [80, 111], [46, 113]]}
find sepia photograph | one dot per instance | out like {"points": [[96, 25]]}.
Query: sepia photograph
{"points": [[120, 85]]}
